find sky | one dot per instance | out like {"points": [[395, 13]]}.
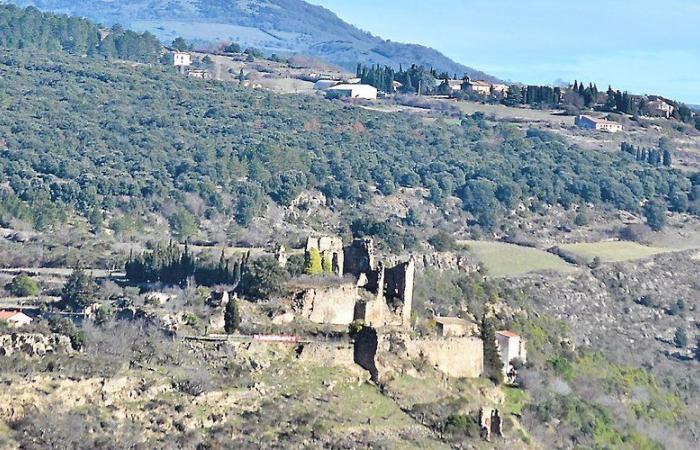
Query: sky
{"points": [[643, 46]]}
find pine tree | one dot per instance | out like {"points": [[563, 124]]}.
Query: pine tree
{"points": [[312, 262], [493, 366], [232, 316]]}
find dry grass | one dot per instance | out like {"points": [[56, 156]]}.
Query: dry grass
{"points": [[613, 251], [502, 260]]}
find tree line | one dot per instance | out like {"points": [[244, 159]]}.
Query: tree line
{"points": [[31, 29], [654, 156]]}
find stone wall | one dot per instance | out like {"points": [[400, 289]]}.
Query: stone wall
{"points": [[384, 354], [398, 289], [455, 357], [334, 305], [360, 258], [328, 354]]}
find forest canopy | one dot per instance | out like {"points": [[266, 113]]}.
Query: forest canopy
{"points": [[88, 135]]}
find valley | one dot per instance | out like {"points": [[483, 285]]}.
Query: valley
{"points": [[205, 249]]}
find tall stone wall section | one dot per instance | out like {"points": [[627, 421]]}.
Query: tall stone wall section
{"points": [[334, 305], [455, 357]]}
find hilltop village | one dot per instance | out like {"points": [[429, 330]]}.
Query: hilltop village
{"points": [[593, 109]]}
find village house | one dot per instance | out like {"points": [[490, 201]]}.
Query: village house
{"points": [[15, 319], [659, 108], [592, 123], [455, 85], [511, 347], [363, 91], [182, 59], [479, 87]]}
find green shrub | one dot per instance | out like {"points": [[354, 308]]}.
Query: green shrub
{"points": [[23, 286]]}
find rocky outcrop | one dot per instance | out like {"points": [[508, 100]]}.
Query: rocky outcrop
{"points": [[447, 261], [34, 344]]}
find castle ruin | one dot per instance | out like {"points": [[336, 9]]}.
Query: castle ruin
{"points": [[380, 296]]}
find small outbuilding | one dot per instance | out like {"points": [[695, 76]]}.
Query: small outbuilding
{"points": [[453, 327]]}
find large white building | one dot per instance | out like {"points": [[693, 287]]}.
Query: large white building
{"points": [[592, 123], [364, 91]]}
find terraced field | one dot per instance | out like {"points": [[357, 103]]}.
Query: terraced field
{"points": [[503, 260]]}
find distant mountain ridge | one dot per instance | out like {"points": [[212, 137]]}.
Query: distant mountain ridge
{"points": [[283, 26]]}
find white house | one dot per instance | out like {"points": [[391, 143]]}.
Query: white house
{"points": [[15, 319], [364, 91], [511, 347], [592, 123], [181, 59]]}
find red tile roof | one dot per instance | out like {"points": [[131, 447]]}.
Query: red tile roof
{"points": [[5, 315], [509, 334]]}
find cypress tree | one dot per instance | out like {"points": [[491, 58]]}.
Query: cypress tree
{"points": [[667, 158], [232, 316], [493, 366]]}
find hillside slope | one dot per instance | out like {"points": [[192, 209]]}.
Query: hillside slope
{"points": [[283, 26]]}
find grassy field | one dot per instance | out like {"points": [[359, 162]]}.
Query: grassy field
{"points": [[502, 260], [502, 112], [613, 251]]}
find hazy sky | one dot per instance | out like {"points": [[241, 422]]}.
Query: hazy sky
{"points": [[643, 46]]}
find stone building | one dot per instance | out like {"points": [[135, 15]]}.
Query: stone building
{"points": [[659, 108], [331, 249], [369, 292], [453, 327]]}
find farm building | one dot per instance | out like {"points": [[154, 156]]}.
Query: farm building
{"points": [[15, 319], [592, 123], [322, 85], [202, 74], [352, 91], [181, 59]]}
